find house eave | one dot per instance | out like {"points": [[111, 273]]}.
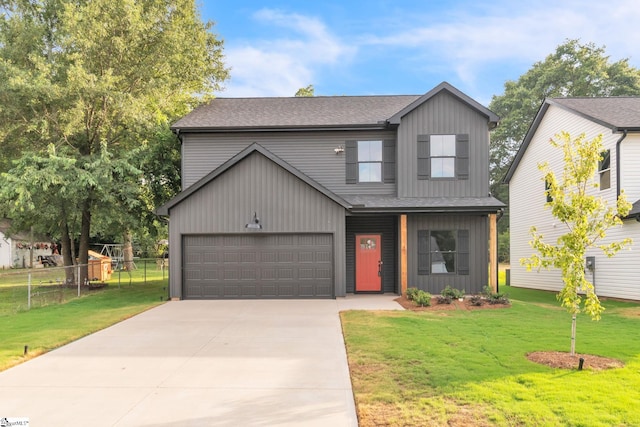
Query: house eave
{"points": [[306, 128]]}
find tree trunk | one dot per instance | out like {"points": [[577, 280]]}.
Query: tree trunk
{"points": [[67, 252], [83, 247], [127, 251], [573, 335]]}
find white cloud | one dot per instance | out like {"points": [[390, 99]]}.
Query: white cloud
{"points": [[281, 66], [509, 32]]}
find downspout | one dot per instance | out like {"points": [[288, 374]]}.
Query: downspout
{"points": [[618, 143]]}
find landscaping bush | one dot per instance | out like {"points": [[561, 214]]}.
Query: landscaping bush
{"points": [[411, 293], [476, 300], [422, 298], [495, 297], [451, 293]]}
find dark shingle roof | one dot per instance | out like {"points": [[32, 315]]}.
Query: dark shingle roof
{"points": [[423, 204], [223, 114], [298, 112], [618, 113]]}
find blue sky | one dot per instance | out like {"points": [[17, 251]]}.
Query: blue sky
{"points": [[376, 47]]}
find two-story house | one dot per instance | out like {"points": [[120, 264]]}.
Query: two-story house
{"points": [[317, 197], [617, 119]]}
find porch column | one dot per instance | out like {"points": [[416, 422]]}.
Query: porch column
{"points": [[403, 254], [493, 252]]}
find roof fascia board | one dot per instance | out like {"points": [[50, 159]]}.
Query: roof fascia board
{"points": [[379, 126], [452, 210], [527, 140], [493, 118]]}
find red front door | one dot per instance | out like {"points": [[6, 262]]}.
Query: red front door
{"points": [[368, 263]]}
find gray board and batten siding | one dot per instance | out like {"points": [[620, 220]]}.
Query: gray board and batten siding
{"points": [[443, 114], [478, 275], [312, 153], [283, 202]]}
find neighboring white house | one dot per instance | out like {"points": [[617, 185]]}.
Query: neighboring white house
{"points": [[15, 248], [617, 119]]}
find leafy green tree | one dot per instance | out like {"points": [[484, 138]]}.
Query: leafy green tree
{"points": [[306, 91], [574, 69], [586, 217], [98, 77]]}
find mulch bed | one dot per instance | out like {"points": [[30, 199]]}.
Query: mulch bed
{"points": [[465, 304], [562, 360]]}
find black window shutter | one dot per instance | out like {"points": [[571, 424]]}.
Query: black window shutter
{"points": [[463, 252], [462, 156], [351, 162], [389, 161], [424, 165], [423, 252]]}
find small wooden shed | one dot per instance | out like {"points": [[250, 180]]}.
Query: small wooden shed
{"points": [[99, 267]]}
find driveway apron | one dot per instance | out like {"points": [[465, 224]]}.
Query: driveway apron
{"points": [[196, 363]]}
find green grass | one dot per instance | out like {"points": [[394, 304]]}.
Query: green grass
{"points": [[48, 327], [470, 367]]}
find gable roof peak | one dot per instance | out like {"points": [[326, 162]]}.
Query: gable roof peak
{"points": [[445, 86]]}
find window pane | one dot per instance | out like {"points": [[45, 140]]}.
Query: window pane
{"points": [[605, 163], [605, 179], [443, 145], [443, 251], [370, 172], [443, 167], [443, 241], [369, 151]]}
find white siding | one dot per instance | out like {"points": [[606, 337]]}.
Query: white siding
{"points": [[630, 165], [615, 277], [5, 252]]}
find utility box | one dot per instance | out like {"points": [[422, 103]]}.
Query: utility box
{"points": [[99, 267]]}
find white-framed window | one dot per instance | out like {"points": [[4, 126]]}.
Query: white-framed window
{"points": [[443, 156], [604, 170], [369, 161]]}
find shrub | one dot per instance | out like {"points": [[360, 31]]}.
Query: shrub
{"points": [[445, 300], [495, 297], [411, 293], [422, 298], [451, 293], [476, 300]]}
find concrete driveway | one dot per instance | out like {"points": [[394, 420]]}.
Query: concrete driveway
{"points": [[198, 363]]}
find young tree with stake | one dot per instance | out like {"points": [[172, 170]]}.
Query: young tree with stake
{"points": [[587, 218]]}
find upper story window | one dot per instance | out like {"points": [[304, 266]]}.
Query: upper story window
{"points": [[604, 169], [369, 161], [443, 156]]}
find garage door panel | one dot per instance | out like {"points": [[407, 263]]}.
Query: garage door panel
{"points": [[258, 266]]}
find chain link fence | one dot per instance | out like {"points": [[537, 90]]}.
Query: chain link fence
{"points": [[25, 289]]}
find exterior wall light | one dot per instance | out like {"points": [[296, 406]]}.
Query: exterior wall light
{"points": [[254, 224], [339, 149]]}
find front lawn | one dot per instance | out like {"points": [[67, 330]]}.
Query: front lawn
{"points": [[461, 368]]}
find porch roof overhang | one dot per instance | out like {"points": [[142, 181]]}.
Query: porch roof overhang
{"points": [[399, 205], [634, 212]]}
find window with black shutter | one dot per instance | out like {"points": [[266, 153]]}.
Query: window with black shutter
{"points": [[370, 161], [443, 252], [443, 156]]}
